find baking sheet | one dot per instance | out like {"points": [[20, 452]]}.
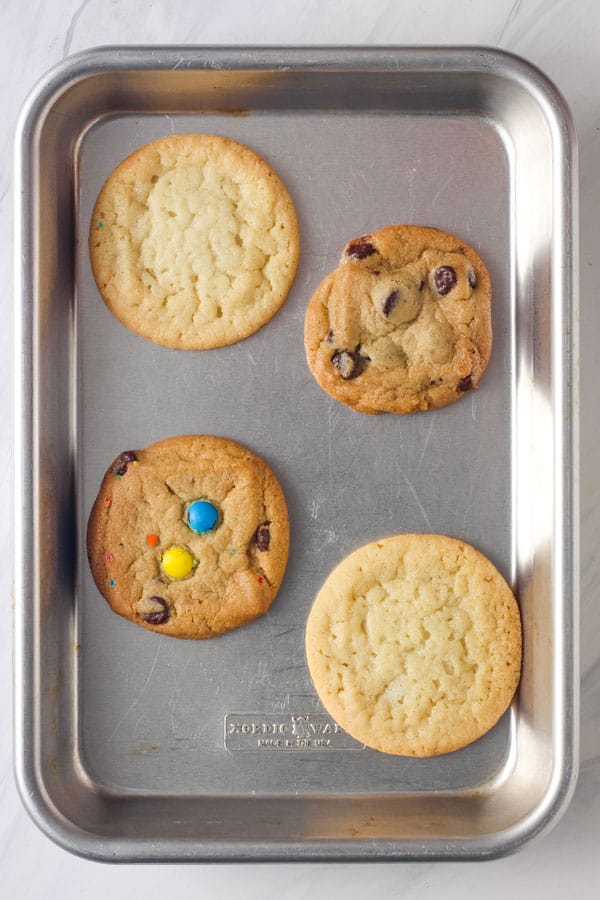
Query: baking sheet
{"points": [[189, 732]]}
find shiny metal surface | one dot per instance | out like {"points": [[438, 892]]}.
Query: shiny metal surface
{"points": [[128, 744]]}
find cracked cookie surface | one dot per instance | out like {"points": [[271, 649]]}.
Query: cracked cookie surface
{"points": [[189, 537], [194, 241], [414, 644], [403, 323]]}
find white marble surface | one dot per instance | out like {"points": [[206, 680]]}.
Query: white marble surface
{"points": [[563, 38]]}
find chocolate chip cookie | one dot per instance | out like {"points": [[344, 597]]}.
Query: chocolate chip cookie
{"points": [[194, 241], [403, 323], [414, 644], [189, 537]]}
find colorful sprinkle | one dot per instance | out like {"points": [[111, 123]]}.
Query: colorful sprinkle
{"points": [[177, 562], [232, 550], [112, 582], [202, 516], [260, 579], [110, 558], [100, 224], [152, 540], [119, 477], [107, 502]]}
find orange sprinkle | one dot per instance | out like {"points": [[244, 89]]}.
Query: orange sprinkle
{"points": [[107, 502], [152, 540]]}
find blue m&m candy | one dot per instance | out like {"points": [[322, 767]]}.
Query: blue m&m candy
{"points": [[202, 516]]}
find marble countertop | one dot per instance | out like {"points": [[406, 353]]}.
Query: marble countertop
{"points": [[561, 37]]}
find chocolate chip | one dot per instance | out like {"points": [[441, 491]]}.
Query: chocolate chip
{"points": [[349, 363], [472, 278], [262, 538], [444, 278], [122, 461], [389, 303], [465, 384], [329, 337], [160, 614], [360, 248]]}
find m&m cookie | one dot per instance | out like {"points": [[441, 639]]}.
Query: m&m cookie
{"points": [[194, 538]]}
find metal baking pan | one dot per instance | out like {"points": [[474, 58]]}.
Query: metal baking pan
{"points": [[133, 746]]}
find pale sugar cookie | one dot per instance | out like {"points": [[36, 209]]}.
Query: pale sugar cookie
{"points": [[194, 241], [414, 644]]}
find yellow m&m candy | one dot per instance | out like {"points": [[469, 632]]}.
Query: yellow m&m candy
{"points": [[177, 562]]}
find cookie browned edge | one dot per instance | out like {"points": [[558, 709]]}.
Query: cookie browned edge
{"points": [[274, 566]]}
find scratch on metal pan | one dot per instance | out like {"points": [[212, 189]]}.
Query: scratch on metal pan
{"points": [[135, 702], [418, 502]]}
